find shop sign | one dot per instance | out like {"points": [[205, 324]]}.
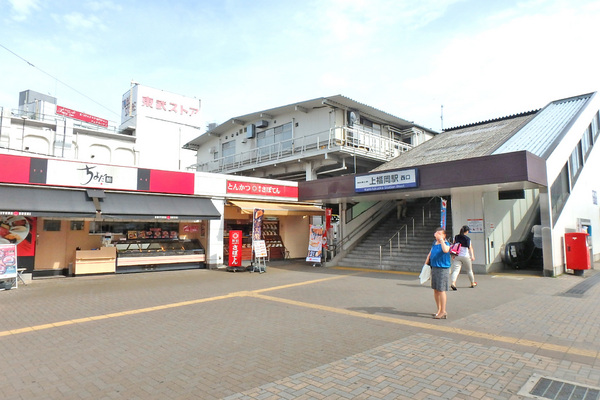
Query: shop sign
{"points": [[407, 178], [81, 116], [262, 189], [235, 248], [62, 173], [143, 101], [8, 261]]}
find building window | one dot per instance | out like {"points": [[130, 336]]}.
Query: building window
{"points": [[586, 142], [594, 126], [228, 152], [278, 138], [77, 225], [51, 225], [575, 163], [559, 193]]}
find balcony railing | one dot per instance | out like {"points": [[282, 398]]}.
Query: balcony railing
{"points": [[354, 140]]}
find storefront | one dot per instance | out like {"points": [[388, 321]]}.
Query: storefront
{"points": [[155, 222], [285, 227]]}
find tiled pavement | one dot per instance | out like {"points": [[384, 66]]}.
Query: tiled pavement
{"points": [[296, 332]]}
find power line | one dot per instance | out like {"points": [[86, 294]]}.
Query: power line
{"points": [[58, 80]]}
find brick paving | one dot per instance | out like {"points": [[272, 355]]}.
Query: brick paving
{"points": [[296, 332]]}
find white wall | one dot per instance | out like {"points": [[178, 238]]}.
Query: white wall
{"points": [[504, 221]]}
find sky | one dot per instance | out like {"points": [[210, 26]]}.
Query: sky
{"points": [[439, 63]]}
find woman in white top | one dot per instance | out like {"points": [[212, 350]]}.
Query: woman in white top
{"points": [[464, 258]]}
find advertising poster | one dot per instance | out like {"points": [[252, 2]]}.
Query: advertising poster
{"points": [[443, 213], [476, 225], [315, 243], [20, 231], [235, 248], [8, 261], [257, 222]]}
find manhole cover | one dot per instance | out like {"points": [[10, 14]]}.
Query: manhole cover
{"points": [[542, 387]]}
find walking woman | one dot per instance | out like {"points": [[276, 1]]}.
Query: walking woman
{"points": [[464, 258], [439, 259]]}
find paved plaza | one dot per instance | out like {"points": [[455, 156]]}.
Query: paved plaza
{"points": [[297, 332]]}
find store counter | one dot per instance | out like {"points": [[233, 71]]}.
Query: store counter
{"points": [[101, 261], [159, 255]]}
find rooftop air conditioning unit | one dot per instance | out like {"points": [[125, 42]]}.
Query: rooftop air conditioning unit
{"points": [[262, 124]]}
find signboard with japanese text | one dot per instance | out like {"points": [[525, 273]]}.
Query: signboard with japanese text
{"points": [[8, 261], [81, 116], [235, 248], [143, 101], [262, 189], [408, 178], [260, 248], [475, 225]]}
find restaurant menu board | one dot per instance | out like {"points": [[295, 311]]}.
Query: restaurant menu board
{"points": [[260, 248], [8, 261]]}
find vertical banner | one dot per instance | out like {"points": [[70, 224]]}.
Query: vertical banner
{"points": [[443, 213], [315, 243], [257, 222], [328, 228], [235, 248], [8, 261]]}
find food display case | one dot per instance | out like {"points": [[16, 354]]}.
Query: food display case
{"points": [[157, 254]]}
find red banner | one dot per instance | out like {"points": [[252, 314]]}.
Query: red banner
{"points": [[262, 189], [235, 248], [81, 116]]}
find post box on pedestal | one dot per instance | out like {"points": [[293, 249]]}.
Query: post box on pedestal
{"points": [[577, 252]]}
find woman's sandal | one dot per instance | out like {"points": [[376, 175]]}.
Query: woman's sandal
{"points": [[473, 284], [453, 287], [443, 316]]}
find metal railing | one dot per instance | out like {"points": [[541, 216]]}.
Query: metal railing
{"points": [[396, 235], [357, 232], [350, 139]]}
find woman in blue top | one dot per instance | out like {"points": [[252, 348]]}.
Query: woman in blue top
{"points": [[439, 259]]}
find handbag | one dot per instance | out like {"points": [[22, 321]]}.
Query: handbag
{"points": [[425, 273], [455, 249]]}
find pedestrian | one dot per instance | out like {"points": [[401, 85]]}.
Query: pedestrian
{"points": [[439, 259], [401, 208], [464, 258]]}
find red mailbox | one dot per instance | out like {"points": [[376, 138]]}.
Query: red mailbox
{"points": [[577, 252]]}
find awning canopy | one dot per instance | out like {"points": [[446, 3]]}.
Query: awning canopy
{"points": [[43, 202], [247, 207], [156, 207]]}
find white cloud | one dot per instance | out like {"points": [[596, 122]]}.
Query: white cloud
{"points": [[22, 8], [75, 21]]}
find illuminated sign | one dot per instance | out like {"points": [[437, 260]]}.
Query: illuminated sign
{"points": [[408, 178]]}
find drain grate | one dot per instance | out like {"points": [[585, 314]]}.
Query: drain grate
{"points": [[547, 388], [583, 287]]}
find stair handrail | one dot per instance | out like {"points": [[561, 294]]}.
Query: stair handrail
{"points": [[389, 241], [351, 235], [428, 209]]}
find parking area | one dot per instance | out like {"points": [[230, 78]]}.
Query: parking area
{"points": [[294, 332]]}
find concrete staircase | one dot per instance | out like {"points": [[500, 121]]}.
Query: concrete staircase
{"points": [[412, 253]]}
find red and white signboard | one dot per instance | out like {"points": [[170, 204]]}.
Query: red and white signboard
{"points": [[235, 248], [262, 189], [67, 112]]}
